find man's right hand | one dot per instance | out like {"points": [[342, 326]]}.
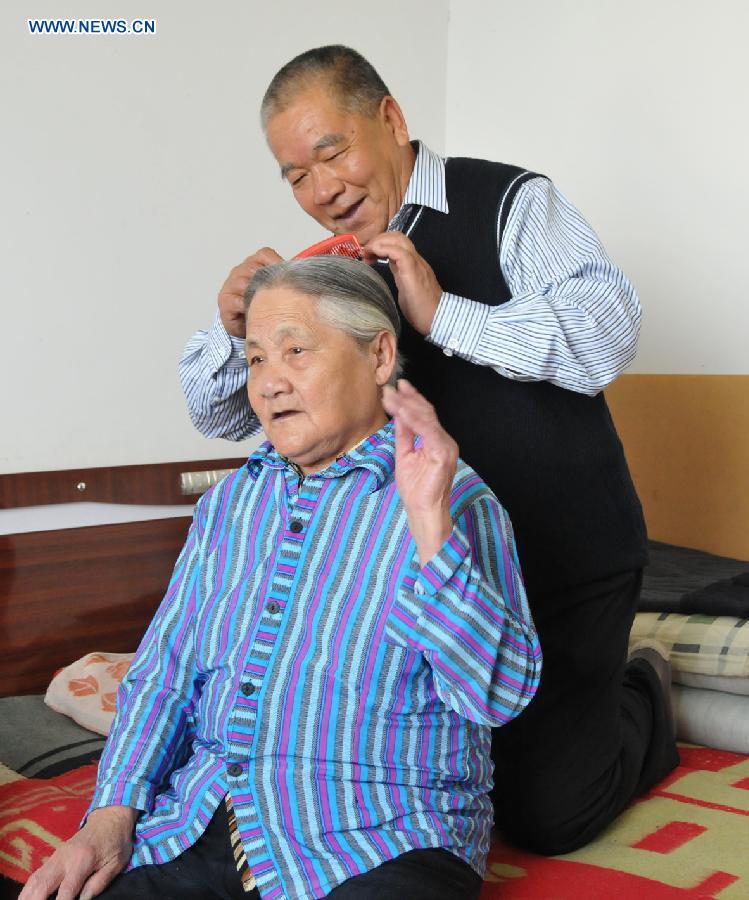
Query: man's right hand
{"points": [[231, 295], [90, 860]]}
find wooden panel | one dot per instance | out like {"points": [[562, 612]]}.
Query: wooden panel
{"points": [[155, 484], [687, 442], [66, 593]]}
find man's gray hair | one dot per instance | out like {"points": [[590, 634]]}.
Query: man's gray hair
{"points": [[351, 296], [353, 80]]}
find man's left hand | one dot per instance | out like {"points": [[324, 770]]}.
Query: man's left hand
{"points": [[419, 291], [423, 474]]}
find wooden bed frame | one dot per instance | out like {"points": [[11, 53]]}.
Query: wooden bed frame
{"points": [[71, 591]]}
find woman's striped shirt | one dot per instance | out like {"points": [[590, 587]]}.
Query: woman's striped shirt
{"points": [[303, 663]]}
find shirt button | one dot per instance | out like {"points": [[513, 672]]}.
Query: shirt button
{"points": [[235, 770], [418, 589], [453, 343], [273, 607], [447, 351], [248, 688], [296, 526]]}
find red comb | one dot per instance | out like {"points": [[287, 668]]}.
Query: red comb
{"points": [[338, 245]]}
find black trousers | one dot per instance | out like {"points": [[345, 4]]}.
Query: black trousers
{"points": [[596, 734], [207, 872]]}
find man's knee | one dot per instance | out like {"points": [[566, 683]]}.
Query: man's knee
{"points": [[543, 839], [546, 825]]}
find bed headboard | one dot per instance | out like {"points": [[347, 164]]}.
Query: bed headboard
{"points": [[67, 591], [687, 442]]}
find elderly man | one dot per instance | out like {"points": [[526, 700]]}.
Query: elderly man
{"points": [[344, 625], [514, 319]]}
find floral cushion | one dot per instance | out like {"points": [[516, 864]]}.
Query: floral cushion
{"points": [[86, 690]]}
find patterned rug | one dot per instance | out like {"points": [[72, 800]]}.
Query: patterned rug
{"points": [[688, 838]]}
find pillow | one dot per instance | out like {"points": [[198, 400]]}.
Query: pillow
{"points": [[701, 645], [37, 742], [86, 690], [37, 816], [711, 718], [712, 682]]}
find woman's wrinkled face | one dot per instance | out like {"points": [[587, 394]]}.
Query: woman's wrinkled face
{"points": [[315, 389]]}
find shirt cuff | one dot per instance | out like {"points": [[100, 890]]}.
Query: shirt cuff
{"points": [[442, 566], [426, 582], [224, 350], [419, 592], [122, 793], [458, 325]]}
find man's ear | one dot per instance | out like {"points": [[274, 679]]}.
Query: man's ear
{"points": [[391, 116], [384, 352]]}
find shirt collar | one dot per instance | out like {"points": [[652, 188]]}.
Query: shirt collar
{"points": [[426, 187], [376, 454]]}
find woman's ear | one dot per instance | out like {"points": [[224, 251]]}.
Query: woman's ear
{"points": [[384, 351]]}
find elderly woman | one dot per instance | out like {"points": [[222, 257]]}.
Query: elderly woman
{"points": [[309, 712]]}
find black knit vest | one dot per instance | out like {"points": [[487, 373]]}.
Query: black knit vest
{"points": [[552, 456]]}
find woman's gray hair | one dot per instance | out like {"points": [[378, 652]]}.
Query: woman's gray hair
{"points": [[351, 296]]}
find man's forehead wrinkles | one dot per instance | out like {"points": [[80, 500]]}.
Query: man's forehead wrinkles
{"points": [[327, 140], [323, 143]]}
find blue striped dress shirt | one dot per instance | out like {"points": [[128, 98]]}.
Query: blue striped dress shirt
{"points": [[302, 662], [573, 318]]}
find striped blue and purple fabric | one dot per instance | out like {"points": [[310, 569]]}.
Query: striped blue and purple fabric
{"points": [[303, 662]]}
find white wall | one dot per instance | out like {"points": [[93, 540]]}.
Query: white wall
{"points": [[639, 113], [133, 176]]}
